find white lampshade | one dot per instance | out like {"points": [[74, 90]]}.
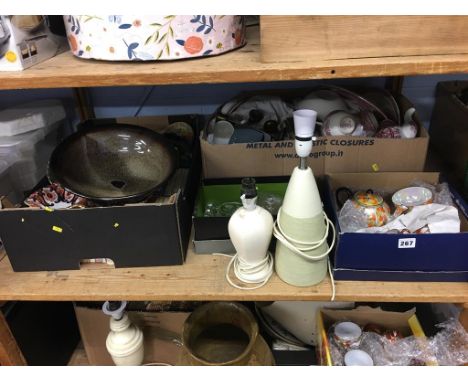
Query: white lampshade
{"points": [[304, 122]]}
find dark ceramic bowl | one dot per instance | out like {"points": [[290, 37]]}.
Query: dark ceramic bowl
{"points": [[115, 163]]}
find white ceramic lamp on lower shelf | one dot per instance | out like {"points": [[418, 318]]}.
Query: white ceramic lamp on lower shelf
{"points": [[125, 340]]}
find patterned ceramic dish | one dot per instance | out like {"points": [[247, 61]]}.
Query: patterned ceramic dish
{"points": [[55, 197], [153, 37], [357, 101], [410, 197], [383, 99], [389, 132]]}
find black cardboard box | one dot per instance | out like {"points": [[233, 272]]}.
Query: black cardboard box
{"points": [[133, 235], [46, 332], [449, 132]]}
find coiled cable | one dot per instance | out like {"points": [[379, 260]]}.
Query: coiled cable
{"points": [[300, 247], [243, 269]]}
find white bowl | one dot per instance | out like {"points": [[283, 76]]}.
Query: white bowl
{"points": [[347, 333], [323, 102], [358, 358]]}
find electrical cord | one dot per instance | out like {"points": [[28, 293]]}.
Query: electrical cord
{"points": [[145, 99], [157, 364], [293, 245], [242, 270]]}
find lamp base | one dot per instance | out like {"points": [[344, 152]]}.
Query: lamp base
{"points": [[292, 268], [302, 221]]}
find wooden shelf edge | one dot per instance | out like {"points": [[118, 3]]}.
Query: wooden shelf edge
{"points": [[325, 71], [202, 279], [242, 65]]}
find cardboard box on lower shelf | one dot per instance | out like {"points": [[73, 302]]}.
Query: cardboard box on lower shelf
{"points": [[404, 322], [161, 331]]}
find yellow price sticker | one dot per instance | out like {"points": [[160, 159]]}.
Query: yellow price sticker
{"points": [[48, 209], [57, 229], [375, 167], [116, 225], [10, 56]]}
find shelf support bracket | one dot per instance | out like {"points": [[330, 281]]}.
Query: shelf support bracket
{"points": [[464, 316], [84, 104], [395, 84]]}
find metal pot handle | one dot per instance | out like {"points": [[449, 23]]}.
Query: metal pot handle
{"points": [[338, 195]]}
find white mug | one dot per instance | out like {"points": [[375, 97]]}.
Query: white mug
{"points": [[222, 132]]}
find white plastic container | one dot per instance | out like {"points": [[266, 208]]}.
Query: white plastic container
{"points": [[28, 154], [6, 185], [30, 116], [26, 40]]}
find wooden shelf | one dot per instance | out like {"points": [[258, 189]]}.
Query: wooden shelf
{"points": [[201, 278], [243, 65]]}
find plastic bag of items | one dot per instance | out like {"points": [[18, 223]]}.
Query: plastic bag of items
{"points": [[449, 347], [422, 208]]}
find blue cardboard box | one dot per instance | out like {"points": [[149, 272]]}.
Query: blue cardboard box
{"points": [[395, 257]]}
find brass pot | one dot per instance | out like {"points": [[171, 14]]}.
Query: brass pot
{"points": [[220, 334]]}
